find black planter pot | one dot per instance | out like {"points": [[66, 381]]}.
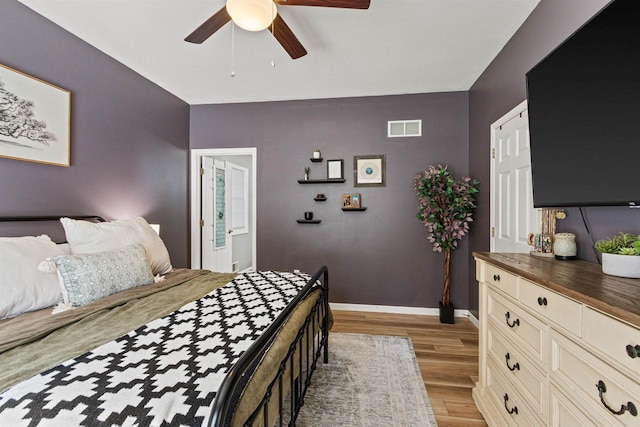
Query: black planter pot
{"points": [[446, 313]]}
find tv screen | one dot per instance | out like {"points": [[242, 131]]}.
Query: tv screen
{"points": [[584, 114]]}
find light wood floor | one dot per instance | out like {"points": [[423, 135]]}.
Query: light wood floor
{"points": [[447, 355]]}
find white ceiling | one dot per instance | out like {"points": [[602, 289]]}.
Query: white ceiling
{"points": [[395, 47]]}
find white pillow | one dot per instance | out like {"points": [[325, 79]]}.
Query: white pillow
{"points": [[88, 237], [22, 287]]}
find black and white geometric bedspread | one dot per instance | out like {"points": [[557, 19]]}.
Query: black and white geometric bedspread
{"points": [[164, 373]]}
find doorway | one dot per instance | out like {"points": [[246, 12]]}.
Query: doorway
{"points": [[223, 209]]}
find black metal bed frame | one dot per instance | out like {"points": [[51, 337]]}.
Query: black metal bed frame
{"points": [[312, 339]]}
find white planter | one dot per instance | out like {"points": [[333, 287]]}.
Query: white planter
{"points": [[621, 265]]}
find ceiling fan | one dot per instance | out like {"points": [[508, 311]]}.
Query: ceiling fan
{"points": [[257, 15]]}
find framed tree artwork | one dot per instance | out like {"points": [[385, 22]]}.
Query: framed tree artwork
{"points": [[369, 171], [34, 119]]}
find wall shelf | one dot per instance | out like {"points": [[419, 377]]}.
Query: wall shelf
{"points": [[310, 221], [320, 199], [322, 181], [354, 209], [316, 160]]}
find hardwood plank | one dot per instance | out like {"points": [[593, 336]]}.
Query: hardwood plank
{"points": [[447, 356], [439, 407], [447, 421], [462, 410]]}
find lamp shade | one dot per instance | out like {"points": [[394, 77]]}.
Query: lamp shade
{"points": [[252, 15]]}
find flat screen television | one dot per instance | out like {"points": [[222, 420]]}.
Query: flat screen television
{"points": [[584, 114]]}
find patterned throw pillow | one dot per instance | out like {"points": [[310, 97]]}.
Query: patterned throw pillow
{"points": [[88, 277]]}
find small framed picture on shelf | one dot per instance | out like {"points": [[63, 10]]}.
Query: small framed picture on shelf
{"points": [[351, 201], [335, 169], [355, 200], [369, 171], [346, 201]]}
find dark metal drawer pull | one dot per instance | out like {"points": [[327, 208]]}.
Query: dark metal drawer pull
{"points": [[513, 410], [632, 351], [496, 277], [516, 322], [516, 366], [542, 300], [630, 407]]}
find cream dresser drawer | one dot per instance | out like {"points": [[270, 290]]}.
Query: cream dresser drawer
{"points": [[511, 405], [554, 307], [502, 280], [518, 369], [618, 341], [519, 326], [565, 413], [594, 382]]}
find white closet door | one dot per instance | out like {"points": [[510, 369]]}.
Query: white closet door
{"points": [[513, 216]]}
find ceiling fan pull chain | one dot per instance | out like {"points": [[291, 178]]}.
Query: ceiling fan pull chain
{"points": [[233, 38], [273, 25]]}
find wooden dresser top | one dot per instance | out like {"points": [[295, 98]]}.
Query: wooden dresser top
{"points": [[580, 280]]}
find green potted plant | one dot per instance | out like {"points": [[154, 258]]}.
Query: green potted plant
{"points": [[620, 255], [445, 207]]}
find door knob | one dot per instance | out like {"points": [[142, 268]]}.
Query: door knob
{"points": [[220, 215]]}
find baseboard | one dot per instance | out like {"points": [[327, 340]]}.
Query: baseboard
{"points": [[474, 320], [393, 309]]}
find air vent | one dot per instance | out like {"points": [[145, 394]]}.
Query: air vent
{"points": [[403, 128]]}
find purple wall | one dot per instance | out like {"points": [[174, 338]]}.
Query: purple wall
{"points": [[500, 88], [130, 142], [380, 256], [129, 137]]}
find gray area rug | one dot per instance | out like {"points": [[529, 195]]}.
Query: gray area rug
{"points": [[369, 381]]}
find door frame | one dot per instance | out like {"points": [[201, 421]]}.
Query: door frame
{"points": [[196, 199], [515, 111]]}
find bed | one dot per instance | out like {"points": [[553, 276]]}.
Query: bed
{"points": [[190, 347]]}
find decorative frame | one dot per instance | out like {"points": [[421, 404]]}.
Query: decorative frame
{"points": [[351, 201], [369, 171], [355, 200], [335, 169], [35, 119]]}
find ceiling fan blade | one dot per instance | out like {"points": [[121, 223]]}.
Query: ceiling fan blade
{"points": [[209, 27], [344, 4], [286, 38]]}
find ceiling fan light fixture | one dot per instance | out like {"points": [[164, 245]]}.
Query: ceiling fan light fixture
{"points": [[252, 15]]}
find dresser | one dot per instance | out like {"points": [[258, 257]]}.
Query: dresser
{"points": [[559, 343]]}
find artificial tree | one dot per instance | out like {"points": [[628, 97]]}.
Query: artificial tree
{"points": [[445, 207]]}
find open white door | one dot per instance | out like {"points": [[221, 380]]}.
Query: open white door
{"points": [[216, 231], [513, 216]]}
